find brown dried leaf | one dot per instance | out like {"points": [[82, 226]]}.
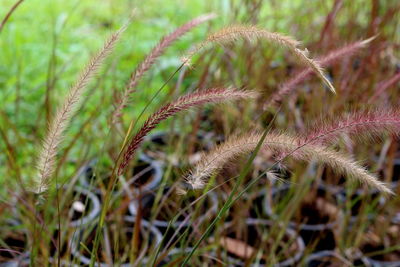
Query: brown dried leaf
{"points": [[237, 247]]}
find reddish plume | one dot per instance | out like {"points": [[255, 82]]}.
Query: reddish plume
{"points": [[383, 86], [198, 98], [358, 124], [150, 59], [332, 57]]}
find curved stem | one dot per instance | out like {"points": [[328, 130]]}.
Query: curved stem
{"points": [[8, 15]]}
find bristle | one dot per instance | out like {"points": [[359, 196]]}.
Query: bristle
{"points": [[273, 175], [57, 127], [198, 98], [283, 145], [359, 124], [150, 59], [233, 33], [330, 58], [383, 86]]}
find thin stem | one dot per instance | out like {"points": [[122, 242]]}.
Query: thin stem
{"points": [[114, 176], [230, 199], [156, 94], [13, 8]]}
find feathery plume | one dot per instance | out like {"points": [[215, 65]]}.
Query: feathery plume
{"points": [[329, 59], [383, 86], [233, 33], [57, 127], [282, 145], [358, 124], [198, 98], [150, 59]]}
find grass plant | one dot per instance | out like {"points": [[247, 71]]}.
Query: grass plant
{"points": [[222, 165]]}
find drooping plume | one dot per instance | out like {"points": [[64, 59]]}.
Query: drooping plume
{"points": [[282, 145], [198, 98], [57, 127], [151, 58], [383, 86], [373, 123], [288, 87], [233, 33]]}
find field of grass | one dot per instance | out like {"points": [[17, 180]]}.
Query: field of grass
{"points": [[150, 134], [59, 38]]}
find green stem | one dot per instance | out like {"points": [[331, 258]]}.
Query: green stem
{"points": [[230, 199], [113, 180]]}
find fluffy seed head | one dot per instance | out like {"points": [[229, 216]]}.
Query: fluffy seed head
{"points": [[282, 145], [151, 58], [360, 124], [383, 86], [47, 157], [233, 33], [287, 87], [198, 98]]}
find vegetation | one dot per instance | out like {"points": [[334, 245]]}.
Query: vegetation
{"points": [[290, 159]]}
